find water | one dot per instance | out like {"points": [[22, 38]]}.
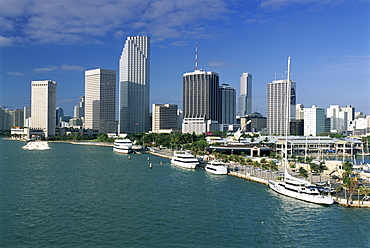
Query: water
{"points": [[88, 196]]}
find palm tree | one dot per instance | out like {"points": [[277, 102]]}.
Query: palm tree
{"points": [[303, 172], [320, 168]]}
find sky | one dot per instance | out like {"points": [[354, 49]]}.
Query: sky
{"points": [[328, 42]]}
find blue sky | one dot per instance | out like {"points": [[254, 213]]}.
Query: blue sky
{"points": [[328, 41]]}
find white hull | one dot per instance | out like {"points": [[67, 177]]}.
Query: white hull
{"points": [[216, 167], [185, 160], [123, 146], [185, 165], [280, 188], [123, 151]]}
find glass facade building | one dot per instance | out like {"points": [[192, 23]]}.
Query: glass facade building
{"points": [[134, 85]]}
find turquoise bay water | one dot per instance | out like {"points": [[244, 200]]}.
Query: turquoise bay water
{"points": [[88, 196]]}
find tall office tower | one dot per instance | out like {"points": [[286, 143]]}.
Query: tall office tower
{"points": [[200, 101], [17, 118], [277, 106], [43, 105], [79, 109], [134, 80], [299, 112], [59, 113], [164, 117], [245, 98], [100, 100], [314, 121], [227, 101]]}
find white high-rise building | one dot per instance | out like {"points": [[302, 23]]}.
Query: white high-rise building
{"points": [[134, 85], [100, 100], [277, 106], [43, 106], [314, 121], [245, 98]]}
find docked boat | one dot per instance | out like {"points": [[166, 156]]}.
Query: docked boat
{"points": [[122, 146], [184, 159], [294, 187], [299, 189], [216, 167], [36, 145]]}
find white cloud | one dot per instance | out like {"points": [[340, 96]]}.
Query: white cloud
{"points": [[88, 20], [15, 73], [50, 68], [277, 4]]}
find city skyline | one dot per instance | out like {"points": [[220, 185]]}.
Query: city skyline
{"points": [[328, 43]]}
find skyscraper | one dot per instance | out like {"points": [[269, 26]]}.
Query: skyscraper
{"points": [[43, 105], [227, 95], [100, 100], [277, 106], [200, 101], [134, 80], [245, 98]]}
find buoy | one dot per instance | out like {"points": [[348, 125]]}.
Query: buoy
{"points": [[148, 158], [150, 165], [129, 157], [160, 163]]}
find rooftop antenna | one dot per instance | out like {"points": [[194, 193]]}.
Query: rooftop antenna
{"points": [[196, 56]]}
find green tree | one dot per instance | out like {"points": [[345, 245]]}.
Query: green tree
{"points": [[303, 172]]}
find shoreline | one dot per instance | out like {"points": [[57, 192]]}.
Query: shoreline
{"points": [[168, 155]]}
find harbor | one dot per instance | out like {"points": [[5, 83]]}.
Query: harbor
{"points": [[258, 175], [70, 195]]}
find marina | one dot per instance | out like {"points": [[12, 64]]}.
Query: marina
{"points": [[70, 195]]}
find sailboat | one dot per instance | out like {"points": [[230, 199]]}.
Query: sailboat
{"points": [[291, 186]]}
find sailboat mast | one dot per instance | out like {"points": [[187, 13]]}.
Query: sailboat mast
{"points": [[287, 116]]}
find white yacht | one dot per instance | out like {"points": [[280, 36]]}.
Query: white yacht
{"points": [[216, 167], [291, 186], [122, 146], [299, 189], [36, 145], [184, 159]]}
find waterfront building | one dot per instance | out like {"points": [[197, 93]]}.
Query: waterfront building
{"points": [[227, 99], [134, 85], [314, 121], [164, 117], [277, 106], [100, 100], [5, 119], [200, 102], [43, 105], [17, 119], [245, 98]]}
